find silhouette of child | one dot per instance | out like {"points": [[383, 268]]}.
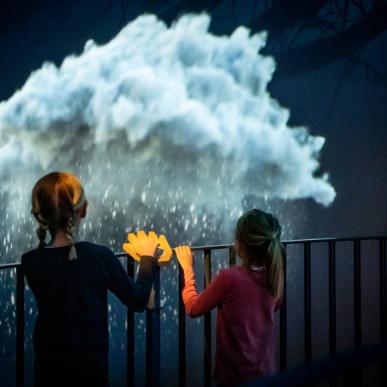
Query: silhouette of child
{"points": [[70, 280], [246, 297]]}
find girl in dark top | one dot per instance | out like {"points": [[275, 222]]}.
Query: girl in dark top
{"points": [[246, 297], [70, 281]]}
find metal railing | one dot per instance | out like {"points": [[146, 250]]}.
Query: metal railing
{"points": [[153, 316], [344, 364]]}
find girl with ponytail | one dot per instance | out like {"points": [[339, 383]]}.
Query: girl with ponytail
{"points": [[70, 280], [246, 297]]}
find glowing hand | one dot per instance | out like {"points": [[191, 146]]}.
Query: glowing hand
{"points": [[184, 256], [141, 244]]}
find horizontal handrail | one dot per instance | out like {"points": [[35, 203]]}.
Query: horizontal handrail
{"points": [[334, 239], [10, 265], [227, 246], [300, 241], [153, 315]]}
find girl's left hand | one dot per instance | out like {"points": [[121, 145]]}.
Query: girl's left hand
{"points": [[184, 256], [143, 244]]}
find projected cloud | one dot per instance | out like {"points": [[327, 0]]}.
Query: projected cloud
{"points": [[167, 127]]}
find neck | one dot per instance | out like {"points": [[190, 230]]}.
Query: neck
{"points": [[256, 263], [60, 239]]}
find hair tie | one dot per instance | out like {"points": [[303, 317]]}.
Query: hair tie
{"points": [[69, 233], [42, 222], [73, 253]]}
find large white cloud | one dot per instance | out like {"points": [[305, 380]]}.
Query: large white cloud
{"points": [[163, 117]]}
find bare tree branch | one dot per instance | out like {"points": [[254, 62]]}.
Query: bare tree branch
{"points": [[283, 14], [302, 59], [195, 6]]}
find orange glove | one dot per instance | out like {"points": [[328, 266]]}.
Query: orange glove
{"points": [[184, 256], [141, 244]]}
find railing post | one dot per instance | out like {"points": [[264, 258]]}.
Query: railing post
{"points": [[356, 377], [383, 299], [283, 322], [153, 337], [357, 292], [332, 303], [182, 361], [307, 303], [383, 289], [207, 323], [332, 297], [231, 256], [130, 331], [19, 327]]}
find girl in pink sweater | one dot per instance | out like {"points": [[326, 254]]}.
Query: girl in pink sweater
{"points": [[246, 297]]}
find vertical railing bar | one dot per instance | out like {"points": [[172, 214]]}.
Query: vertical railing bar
{"points": [[153, 337], [182, 355], [332, 303], [207, 322], [357, 292], [332, 297], [19, 327], [383, 289], [130, 331], [153, 317], [283, 320], [357, 377], [383, 299], [307, 303], [231, 256]]}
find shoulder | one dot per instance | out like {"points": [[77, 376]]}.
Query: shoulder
{"points": [[228, 276], [231, 272], [29, 255], [95, 248], [32, 261], [99, 252], [240, 274]]}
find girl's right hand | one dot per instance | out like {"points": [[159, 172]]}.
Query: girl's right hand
{"points": [[143, 244], [184, 256]]}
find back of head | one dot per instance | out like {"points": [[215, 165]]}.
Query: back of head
{"points": [[55, 198], [258, 234]]}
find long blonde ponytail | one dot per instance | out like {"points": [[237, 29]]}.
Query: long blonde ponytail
{"points": [[259, 233], [274, 267]]}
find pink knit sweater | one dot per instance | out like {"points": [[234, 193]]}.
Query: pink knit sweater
{"points": [[245, 322]]}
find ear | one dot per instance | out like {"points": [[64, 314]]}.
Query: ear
{"points": [[237, 247], [84, 209], [240, 251]]}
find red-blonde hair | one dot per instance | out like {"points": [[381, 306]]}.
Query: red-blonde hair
{"points": [[55, 198]]}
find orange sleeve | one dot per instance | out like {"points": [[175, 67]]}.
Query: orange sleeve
{"points": [[197, 304]]}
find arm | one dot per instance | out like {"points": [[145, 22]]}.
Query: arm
{"points": [[197, 304], [134, 294]]}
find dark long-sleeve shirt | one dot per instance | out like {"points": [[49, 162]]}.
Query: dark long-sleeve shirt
{"points": [[245, 322], [71, 298]]}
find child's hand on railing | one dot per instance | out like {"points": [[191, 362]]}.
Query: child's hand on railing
{"points": [[184, 256], [142, 244]]}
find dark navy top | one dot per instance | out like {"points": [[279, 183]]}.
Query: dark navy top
{"points": [[71, 298]]}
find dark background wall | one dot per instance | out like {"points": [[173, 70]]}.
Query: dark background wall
{"points": [[331, 73]]}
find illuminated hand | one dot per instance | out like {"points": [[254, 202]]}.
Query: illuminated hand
{"points": [[184, 256], [141, 244]]}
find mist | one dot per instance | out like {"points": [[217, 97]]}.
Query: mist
{"points": [[167, 128]]}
